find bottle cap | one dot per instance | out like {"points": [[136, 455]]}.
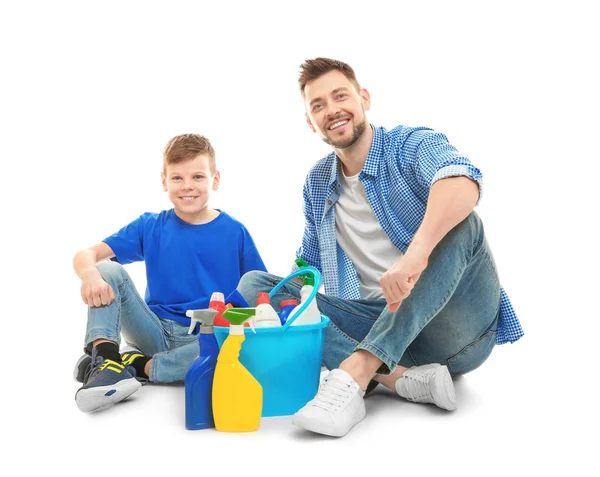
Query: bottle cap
{"points": [[291, 301], [217, 296], [237, 317], [307, 279], [263, 298], [301, 263]]}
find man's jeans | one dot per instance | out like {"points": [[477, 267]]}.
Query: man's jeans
{"points": [[167, 341], [450, 317]]}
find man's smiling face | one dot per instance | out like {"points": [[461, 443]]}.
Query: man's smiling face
{"points": [[335, 109]]}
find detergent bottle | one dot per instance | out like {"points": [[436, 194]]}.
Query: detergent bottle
{"points": [[217, 302], [311, 314], [200, 374], [265, 313], [237, 395], [286, 307]]}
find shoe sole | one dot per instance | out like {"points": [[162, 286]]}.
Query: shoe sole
{"points": [[323, 428], [443, 389], [102, 397]]}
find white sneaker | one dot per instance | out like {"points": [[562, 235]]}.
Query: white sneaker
{"points": [[337, 407], [430, 384]]}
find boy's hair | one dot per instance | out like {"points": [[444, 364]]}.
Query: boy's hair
{"points": [[188, 146], [313, 69]]}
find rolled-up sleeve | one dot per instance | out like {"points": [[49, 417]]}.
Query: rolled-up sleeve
{"points": [[435, 158]]}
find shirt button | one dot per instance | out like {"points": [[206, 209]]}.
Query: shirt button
{"points": [[329, 202]]}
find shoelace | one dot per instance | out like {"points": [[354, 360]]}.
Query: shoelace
{"points": [[417, 386], [98, 364], [91, 367], [333, 393]]}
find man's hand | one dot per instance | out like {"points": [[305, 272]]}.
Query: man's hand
{"points": [[398, 281], [450, 201], [95, 291]]}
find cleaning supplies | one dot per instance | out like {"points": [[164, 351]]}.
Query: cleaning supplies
{"points": [[311, 314], [217, 302], [200, 374], [265, 313], [237, 395], [286, 307]]}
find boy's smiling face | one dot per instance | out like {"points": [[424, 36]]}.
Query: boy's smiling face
{"points": [[189, 185]]}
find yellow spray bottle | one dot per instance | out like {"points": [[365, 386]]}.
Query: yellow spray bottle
{"points": [[237, 396]]}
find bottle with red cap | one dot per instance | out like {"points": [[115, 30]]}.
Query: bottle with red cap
{"points": [[217, 302], [286, 307], [265, 313]]}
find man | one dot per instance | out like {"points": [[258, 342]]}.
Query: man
{"points": [[410, 283]]}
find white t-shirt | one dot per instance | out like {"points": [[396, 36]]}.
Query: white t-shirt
{"points": [[361, 237]]}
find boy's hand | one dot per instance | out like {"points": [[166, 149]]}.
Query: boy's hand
{"points": [[398, 281], [95, 291]]}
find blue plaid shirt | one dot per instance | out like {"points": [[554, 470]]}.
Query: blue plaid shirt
{"points": [[399, 171]]}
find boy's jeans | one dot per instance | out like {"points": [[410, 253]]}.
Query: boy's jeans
{"points": [[449, 318], [167, 341]]}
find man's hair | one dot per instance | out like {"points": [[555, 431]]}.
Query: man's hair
{"points": [[313, 69], [187, 146]]}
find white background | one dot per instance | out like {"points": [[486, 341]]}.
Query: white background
{"points": [[90, 94]]}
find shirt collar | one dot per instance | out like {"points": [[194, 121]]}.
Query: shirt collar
{"points": [[371, 164], [370, 167]]}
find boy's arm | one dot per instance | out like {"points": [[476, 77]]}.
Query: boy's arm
{"points": [[94, 290]]}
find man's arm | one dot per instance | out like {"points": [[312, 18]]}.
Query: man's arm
{"points": [[450, 201], [94, 290]]}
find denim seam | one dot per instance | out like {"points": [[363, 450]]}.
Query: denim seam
{"points": [[491, 262], [102, 336], [333, 305], [153, 372], [154, 364], [344, 335], [144, 306], [380, 354], [116, 335], [473, 343], [412, 356]]}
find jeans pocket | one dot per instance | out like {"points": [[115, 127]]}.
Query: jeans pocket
{"points": [[473, 355]]}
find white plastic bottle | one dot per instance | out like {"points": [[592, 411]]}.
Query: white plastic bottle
{"points": [[311, 314], [265, 313]]}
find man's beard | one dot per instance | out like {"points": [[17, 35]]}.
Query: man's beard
{"points": [[357, 131]]}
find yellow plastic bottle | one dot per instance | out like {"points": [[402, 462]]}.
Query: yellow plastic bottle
{"points": [[237, 396]]}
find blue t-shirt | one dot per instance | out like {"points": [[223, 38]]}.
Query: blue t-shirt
{"points": [[186, 263]]}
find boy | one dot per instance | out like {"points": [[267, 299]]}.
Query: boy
{"points": [[190, 251]]}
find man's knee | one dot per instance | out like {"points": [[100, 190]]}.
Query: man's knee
{"points": [[468, 235]]}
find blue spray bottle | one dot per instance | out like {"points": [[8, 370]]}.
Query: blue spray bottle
{"points": [[200, 374]]}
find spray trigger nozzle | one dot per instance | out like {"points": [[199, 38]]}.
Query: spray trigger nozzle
{"points": [[206, 317]]}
